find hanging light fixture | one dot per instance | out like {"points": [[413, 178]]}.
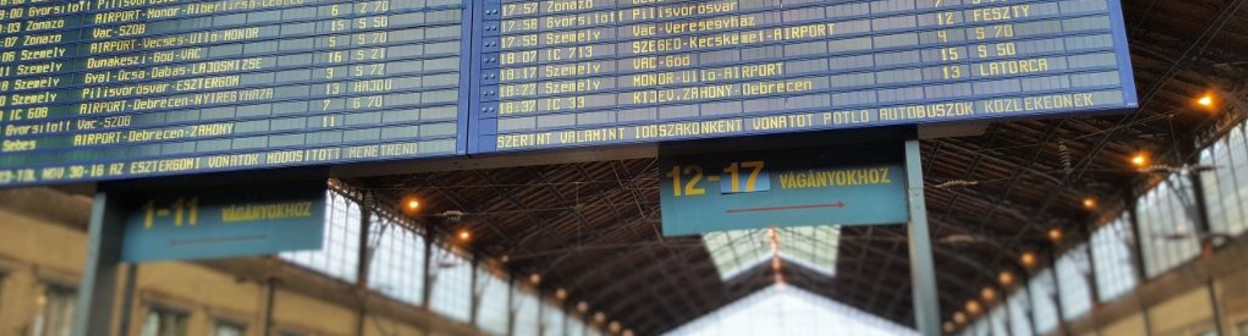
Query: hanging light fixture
{"points": [[1055, 235], [1028, 259], [1089, 203], [1005, 278], [1140, 159], [989, 294]]}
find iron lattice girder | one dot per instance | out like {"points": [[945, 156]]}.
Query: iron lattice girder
{"points": [[459, 205], [1088, 160], [1030, 188], [599, 236], [510, 199]]}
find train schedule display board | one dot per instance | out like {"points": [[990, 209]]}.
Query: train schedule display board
{"points": [[561, 73], [110, 89]]}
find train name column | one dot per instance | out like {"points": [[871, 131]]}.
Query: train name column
{"points": [[38, 41]]}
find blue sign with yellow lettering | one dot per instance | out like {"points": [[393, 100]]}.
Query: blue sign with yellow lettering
{"points": [[223, 223], [846, 185]]}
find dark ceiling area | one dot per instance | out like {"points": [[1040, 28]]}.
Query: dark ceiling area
{"points": [[594, 227]]}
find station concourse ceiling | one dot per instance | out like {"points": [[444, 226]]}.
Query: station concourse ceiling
{"points": [[594, 227]]}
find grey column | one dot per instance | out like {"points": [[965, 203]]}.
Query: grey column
{"points": [[1057, 294], [127, 298], [511, 304], [426, 289], [922, 266], [362, 269], [1204, 224], [477, 291], [98, 290], [1137, 251]]}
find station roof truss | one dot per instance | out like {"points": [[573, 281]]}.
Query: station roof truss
{"points": [[594, 227]]}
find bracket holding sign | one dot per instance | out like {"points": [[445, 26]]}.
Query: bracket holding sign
{"points": [[858, 184]]}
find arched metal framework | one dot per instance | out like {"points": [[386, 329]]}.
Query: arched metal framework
{"points": [[593, 228]]}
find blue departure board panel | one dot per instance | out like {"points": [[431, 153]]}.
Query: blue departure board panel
{"points": [[111, 89], [562, 73]]}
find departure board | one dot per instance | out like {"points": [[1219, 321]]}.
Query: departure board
{"points": [[111, 89], [562, 73]]}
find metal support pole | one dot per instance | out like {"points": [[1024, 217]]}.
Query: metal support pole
{"points": [[271, 287], [1056, 295], [361, 271], [98, 290], [922, 266], [564, 312], [541, 317], [1200, 208], [1137, 248], [992, 325], [1026, 320], [1031, 301], [427, 289], [1217, 308], [127, 300], [1003, 302], [477, 291], [1137, 252], [511, 304], [1092, 281]]}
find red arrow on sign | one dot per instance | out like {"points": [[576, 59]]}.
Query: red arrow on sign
{"points": [[838, 205]]}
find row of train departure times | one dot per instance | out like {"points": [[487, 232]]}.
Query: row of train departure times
{"points": [[558, 73], [108, 89]]}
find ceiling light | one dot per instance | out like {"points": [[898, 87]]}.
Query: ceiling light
{"points": [[989, 294], [410, 205], [1089, 203], [973, 307], [1139, 160], [1006, 278], [1055, 235], [1205, 100], [1028, 259]]}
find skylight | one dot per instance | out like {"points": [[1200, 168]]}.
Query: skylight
{"points": [[812, 247], [788, 310]]}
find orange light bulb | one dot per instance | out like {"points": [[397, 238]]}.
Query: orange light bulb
{"points": [[1028, 259], [1206, 100], [1089, 203]]}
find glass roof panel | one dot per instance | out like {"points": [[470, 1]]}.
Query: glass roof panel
{"points": [[788, 310], [812, 247], [736, 251]]}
